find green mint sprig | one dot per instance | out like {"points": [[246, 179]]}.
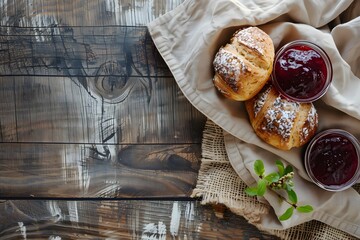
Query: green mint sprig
{"points": [[282, 180]]}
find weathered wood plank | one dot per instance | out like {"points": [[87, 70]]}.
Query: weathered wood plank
{"points": [[74, 85], [88, 171], [79, 52], [60, 109], [83, 12], [107, 62], [157, 220], [54, 56], [8, 115]]}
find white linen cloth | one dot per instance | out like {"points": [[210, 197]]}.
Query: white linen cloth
{"points": [[188, 38]]}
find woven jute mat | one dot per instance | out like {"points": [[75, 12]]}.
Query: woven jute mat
{"points": [[218, 183]]}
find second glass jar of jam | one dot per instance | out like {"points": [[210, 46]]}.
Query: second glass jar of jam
{"points": [[332, 159], [302, 71]]}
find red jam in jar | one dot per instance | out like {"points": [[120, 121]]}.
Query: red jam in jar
{"points": [[332, 160], [302, 71]]}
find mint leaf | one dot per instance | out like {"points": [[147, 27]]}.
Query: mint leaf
{"points": [[280, 167], [272, 177], [288, 169], [287, 214], [252, 191], [280, 180], [261, 187], [305, 209], [292, 196], [259, 167]]}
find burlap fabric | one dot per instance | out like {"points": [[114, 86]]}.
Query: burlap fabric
{"points": [[218, 183]]}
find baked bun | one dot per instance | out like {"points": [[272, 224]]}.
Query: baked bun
{"points": [[243, 66], [281, 123]]}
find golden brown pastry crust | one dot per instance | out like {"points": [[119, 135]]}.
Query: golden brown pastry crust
{"points": [[243, 66], [281, 123]]}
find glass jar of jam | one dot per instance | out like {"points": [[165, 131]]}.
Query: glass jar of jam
{"points": [[302, 71], [332, 159]]}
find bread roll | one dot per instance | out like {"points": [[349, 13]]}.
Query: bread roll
{"points": [[282, 123], [243, 66]]}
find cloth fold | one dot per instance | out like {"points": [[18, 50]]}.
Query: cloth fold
{"points": [[188, 38]]}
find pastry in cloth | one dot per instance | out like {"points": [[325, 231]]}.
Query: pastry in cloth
{"points": [[243, 66], [281, 123]]}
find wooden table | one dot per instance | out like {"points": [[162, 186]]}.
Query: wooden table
{"points": [[97, 140]]}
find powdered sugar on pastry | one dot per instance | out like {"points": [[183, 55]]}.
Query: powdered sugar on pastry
{"points": [[252, 40], [310, 123], [280, 118], [279, 122], [313, 117], [229, 67], [260, 101]]}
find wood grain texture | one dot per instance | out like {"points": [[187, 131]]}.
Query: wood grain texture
{"points": [[156, 220], [80, 52], [106, 171], [71, 86], [89, 110], [57, 109], [110, 79], [83, 12]]}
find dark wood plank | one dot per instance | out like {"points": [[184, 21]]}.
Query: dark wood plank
{"points": [[7, 107], [88, 171], [157, 220], [58, 130], [83, 12], [58, 109], [86, 73], [72, 86], [80, 52]]}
